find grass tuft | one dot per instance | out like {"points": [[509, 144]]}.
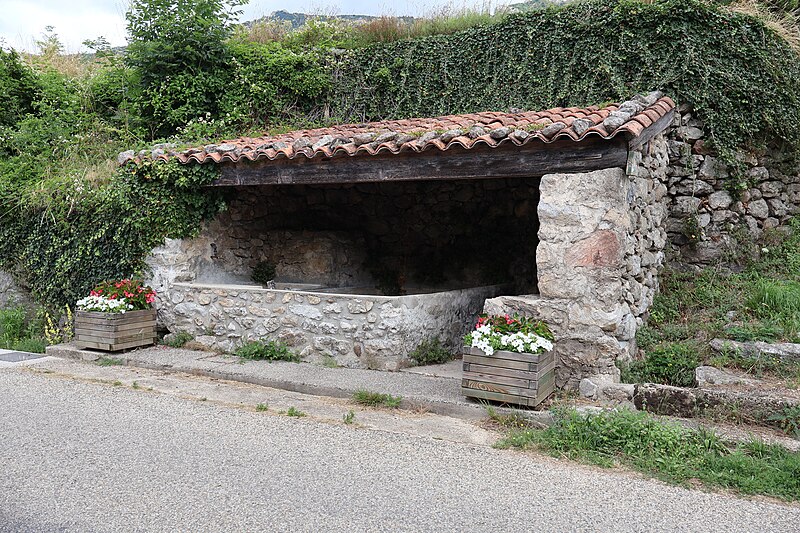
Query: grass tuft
{"points": [[376, 399], [266, 351]]}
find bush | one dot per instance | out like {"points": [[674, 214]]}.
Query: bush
{"points": [[671, 363], [430, 352], [266, 350]]}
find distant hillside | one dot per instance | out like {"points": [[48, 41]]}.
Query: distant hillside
{"points": [[297, 20]]}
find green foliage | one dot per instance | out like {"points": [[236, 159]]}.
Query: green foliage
{"points": [[63, 245], [177, 48], [670, 363], [349, 417], [667, 450], [262, 407], [179, 339], [788, 419], [19, 89], [20, 331], [738, 75], [759, 303], [430, 352], [376, 399], [293, 411], [266, 350], [263, 272]]}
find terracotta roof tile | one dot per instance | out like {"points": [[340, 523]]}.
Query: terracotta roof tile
{"points": [[438, 133]]}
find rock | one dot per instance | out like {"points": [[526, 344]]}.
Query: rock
{"points": [[581, 125], [777, 208], [708, 375], [206, 341], [619, 392], [700, 147], [758, 209], [386, 137], [720, 200], [694, 187], [325, 140], [554, 128], [771, 189], [476, 131], [125, 156], [226, 148], [666, 400], [689, 133], [588, 388], [712, 169], [301, 144], [783, 350], [363, 138], [686, 205], [499, 133], [758, 174], [449, 135]]}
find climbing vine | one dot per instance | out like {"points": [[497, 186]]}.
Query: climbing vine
{"points": [[738, 75]]}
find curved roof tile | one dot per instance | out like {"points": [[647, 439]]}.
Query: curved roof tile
{"points": [[424, 134]]}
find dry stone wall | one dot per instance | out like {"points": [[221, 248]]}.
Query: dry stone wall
{"points": [[716, 211], [357, 331], [601, 241], [10, 293]]}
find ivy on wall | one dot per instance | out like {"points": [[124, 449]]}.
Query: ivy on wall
{"points": [[740, 77], [63, 247]]}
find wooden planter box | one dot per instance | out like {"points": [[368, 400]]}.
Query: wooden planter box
{"points": [[112, 332], [509, 377]]}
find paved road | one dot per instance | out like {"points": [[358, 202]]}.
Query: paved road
{"points": [[90, 457]]}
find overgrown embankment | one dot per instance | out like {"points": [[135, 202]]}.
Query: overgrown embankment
{"points": [[70, 218]]}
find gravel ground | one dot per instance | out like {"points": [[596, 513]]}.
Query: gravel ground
{"points": [[92, 457]]}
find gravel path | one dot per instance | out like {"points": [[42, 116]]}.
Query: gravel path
{"points": [[92, 457]]}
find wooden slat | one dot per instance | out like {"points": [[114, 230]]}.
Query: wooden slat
{"points": [[651, 131], [500, 371], [502, 354], [494, 387], [112, 328], [115, 339], [495, 396], [105, 346], [115, 318], [502, 363], [500, 380], [506, 161]]}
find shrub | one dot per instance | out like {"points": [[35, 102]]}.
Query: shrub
{"points": [[266, 350], [430, 352], [671, 363]]}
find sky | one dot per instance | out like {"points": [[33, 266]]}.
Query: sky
{"points": [[74, 21]]}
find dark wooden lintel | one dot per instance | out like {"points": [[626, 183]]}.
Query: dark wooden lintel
{"points": [[507, 161]]}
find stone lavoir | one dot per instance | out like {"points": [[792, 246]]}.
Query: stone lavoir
{"points": [[390, 233]]}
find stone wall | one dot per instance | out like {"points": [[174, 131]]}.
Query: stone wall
{"points": [[713, 214], [357, 331], [601, 241], [390, 235], [11, 293]]}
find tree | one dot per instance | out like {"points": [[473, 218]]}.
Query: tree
{"points": [[178, 49]]}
